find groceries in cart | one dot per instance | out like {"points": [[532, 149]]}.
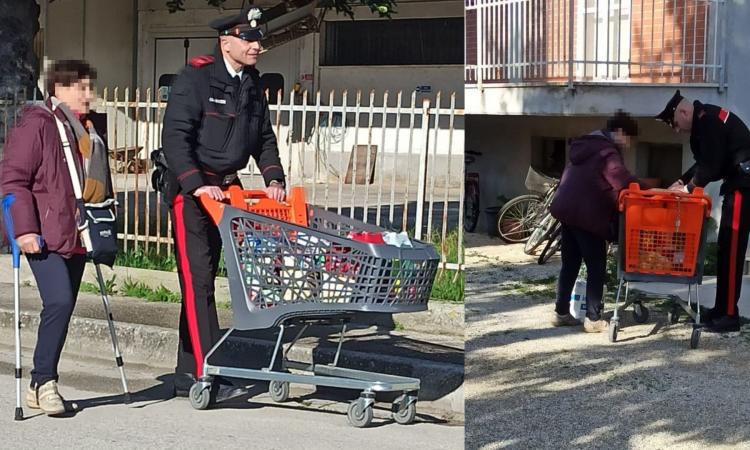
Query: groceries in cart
{"points": [[291, 264], [662, 230]]}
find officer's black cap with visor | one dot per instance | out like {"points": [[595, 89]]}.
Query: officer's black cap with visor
{"points": [[245, 25], [667, 116]]}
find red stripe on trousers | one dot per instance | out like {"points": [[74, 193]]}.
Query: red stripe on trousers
{"points": [[192, 317], [733, 252]]}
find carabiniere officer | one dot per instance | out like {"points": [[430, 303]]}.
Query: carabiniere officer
{"points": [[216, 119]]}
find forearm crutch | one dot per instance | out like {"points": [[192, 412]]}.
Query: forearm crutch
{"points": [[7, 202]]}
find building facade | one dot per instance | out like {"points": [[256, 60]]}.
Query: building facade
{"points": [[539, 73]]}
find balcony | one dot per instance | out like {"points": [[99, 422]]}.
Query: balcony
{"points": [[585, 45]]}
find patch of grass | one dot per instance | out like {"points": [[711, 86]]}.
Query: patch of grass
{"points": [[90, 288], [141, 290], [449, 245], [109, 285], [611, 279], [448, 286], [398, 326], [139, 258], [539, 288], [135, 289], [552, 279], [163, 294]]}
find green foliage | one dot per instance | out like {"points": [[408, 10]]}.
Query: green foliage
{"points": [[89, 288], [141, 290], [711, 261], [141, 259], [109, 285], [449, 285]]}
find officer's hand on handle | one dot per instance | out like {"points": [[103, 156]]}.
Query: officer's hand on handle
{"points": [[677, 186], [29, 243], [214, 192], [276, 192]]}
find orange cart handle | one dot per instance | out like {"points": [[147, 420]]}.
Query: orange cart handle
{"points": [[664, 194], [237, 197]]}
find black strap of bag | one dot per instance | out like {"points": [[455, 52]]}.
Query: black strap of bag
{"points": [[97, 222]]}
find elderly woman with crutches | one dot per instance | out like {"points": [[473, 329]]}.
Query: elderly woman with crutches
{"points": [[54, 167]]}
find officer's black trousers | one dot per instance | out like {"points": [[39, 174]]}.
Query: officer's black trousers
{"points": [[198, 247], [733, 235]]}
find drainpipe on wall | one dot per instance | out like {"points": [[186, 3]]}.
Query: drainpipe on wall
{"points": [[83, 33], [571, 36], [136, 27], [43, 58]]}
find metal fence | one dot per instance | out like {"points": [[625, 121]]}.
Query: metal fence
{"points": [[392, 160], [573, 41]]}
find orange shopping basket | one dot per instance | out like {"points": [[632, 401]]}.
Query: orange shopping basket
{"points": [[293, 210], [662, 232], [662, 239]]}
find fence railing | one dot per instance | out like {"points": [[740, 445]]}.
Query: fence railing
{"points": [[571, 41], [386, 159]]}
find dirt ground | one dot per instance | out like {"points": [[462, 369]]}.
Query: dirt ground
{"points": [[530, 385]]}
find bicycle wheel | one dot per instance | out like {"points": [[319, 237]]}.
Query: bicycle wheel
{"points": [[540, 234], [552, 246], [471, 210], [517, 218]]}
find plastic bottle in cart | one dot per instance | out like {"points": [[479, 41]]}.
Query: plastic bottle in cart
{"points": [[578, 300]]}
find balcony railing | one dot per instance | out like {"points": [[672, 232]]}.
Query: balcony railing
{"points": [[595, 41]]}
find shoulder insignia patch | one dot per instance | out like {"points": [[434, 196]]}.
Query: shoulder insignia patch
{"points": [[723, 115]]}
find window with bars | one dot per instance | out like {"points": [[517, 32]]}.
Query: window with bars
{"points": [[394, 42]]}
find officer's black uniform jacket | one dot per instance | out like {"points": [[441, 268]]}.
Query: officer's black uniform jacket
{"points": [[213, 125], [719, 141]]}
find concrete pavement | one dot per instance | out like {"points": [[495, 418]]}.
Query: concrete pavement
{"points": [[156, 421], [148, 335]]}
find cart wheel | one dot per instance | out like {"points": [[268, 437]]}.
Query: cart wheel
{"points": [[613, 326], [359, 415], [279, 391], [405, 416], [200, 395], [640, 313], [673, 316], [695, 338]]}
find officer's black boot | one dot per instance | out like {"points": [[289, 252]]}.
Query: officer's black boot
{"points": [[724, 324], [182, 384]]}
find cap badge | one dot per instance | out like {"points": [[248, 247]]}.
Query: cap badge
{"points": [[252, 16]]}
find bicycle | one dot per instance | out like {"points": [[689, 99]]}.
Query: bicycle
{"points": [[553, 245], [471, 194], [521, 216]]}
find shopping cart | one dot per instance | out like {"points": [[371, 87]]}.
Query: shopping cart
{"points": [[294, 264], [662, 239]]}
